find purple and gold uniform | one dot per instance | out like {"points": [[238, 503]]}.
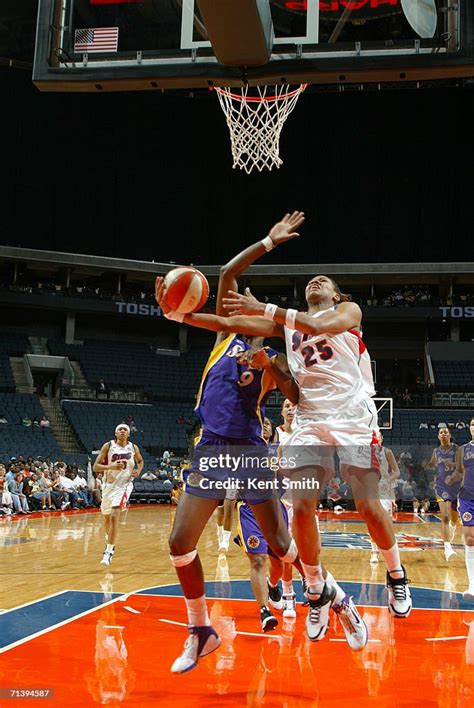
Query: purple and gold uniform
{"points": [[231, 406], [250, 536], [446, 492], [466, 493]]}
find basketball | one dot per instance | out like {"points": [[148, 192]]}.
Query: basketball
{"points": [[187, 289]]}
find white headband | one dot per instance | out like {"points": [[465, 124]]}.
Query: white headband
{"points": [[122, 425]]}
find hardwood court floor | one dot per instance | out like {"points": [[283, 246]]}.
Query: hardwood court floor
{"points": [[109, 635]]}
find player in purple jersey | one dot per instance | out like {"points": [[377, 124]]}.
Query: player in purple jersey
{"points": [[231, 406], [444, 460], [328, 594], [464, 475]]}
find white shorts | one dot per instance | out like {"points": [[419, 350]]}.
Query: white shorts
{"points": [[352, 432], [115, 497]]}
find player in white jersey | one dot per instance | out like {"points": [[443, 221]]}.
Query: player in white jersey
{"points": [[120, 461], [335, 411], [389, 473], [323, 592]]}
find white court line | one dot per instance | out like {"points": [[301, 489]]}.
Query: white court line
{"points": [[113, 626], [56, 626], [443, 639], [246, 634], [132, 609], [372, 641]]}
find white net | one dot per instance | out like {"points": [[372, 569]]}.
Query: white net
{"points": [[255, 117]]}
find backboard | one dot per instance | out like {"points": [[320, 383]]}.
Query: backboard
{"points": [[161, 44]]}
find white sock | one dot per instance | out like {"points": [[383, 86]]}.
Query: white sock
{"points": [[110, 548], [340, 594], [314, 577], [225, 537], [287, 587], [392, 559], [470, 565], [374, 546], [447, 546], [197, 612]]}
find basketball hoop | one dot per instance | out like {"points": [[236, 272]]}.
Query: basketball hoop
{"points": [[255, 122]]}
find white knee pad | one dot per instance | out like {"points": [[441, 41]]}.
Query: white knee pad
{"points": [[291, 553], [185, 559]]}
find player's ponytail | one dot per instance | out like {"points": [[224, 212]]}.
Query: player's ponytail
{"points": [[343, 297]]}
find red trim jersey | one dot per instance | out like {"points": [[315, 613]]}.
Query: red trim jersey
{"points": [[333, 370]]}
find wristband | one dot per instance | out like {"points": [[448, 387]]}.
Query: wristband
{"points": [[175, 316], [290, 318], [268, 244], [270, 310]]}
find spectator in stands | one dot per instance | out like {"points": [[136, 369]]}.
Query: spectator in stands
{"points": [[80, 484], [460, 425], [166, 456], [44, 423], [60, 498], [407, 398], [423, 426], [36, 423], [131, 424], [148, 475], [40, 492], [67, 485], [97, 491], [176, 492], [27, 422], [3, 420], [6, 501], [102, 389], [15, 487]]}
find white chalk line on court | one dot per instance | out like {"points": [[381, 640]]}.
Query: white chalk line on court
{"points": [[443, 639], [245, 634]]}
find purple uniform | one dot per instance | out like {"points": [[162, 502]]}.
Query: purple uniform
{"points": [[232, 397], [231, 407], [446, 492], [250, 537], [466, 494]]}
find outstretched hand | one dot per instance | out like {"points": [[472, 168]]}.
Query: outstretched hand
{"points": [[285, 229], [160, 294], [243, 304]]}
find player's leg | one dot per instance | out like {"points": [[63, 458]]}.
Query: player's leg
{"points": [[365, 490], [445, 511], [468, 532], [289, 595], [220, 521], [229, 504], [258, 581], [466, 512], [192, 514], [111, 519]]}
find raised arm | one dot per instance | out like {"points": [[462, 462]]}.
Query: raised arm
{"points": [[282, 231], [346, 316]]}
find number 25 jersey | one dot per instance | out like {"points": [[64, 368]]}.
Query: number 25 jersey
{"points": [[333, 370]]}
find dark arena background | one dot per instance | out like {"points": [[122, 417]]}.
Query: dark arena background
{"points": [[116, 167]]}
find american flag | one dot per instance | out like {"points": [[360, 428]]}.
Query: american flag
{"points": [[95, 40]]}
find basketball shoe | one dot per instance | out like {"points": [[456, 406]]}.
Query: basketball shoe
{"points": [[399, 597], [268, 620], [352, 623], [274, 596], [289, 605], [201, 642], [317, 621]]}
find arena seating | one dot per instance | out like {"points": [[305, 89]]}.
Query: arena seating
{"points": [[454, 376], [136, 366], [157, 425], [18, 439], [156, 491], [11, 344], [406, 429]]}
